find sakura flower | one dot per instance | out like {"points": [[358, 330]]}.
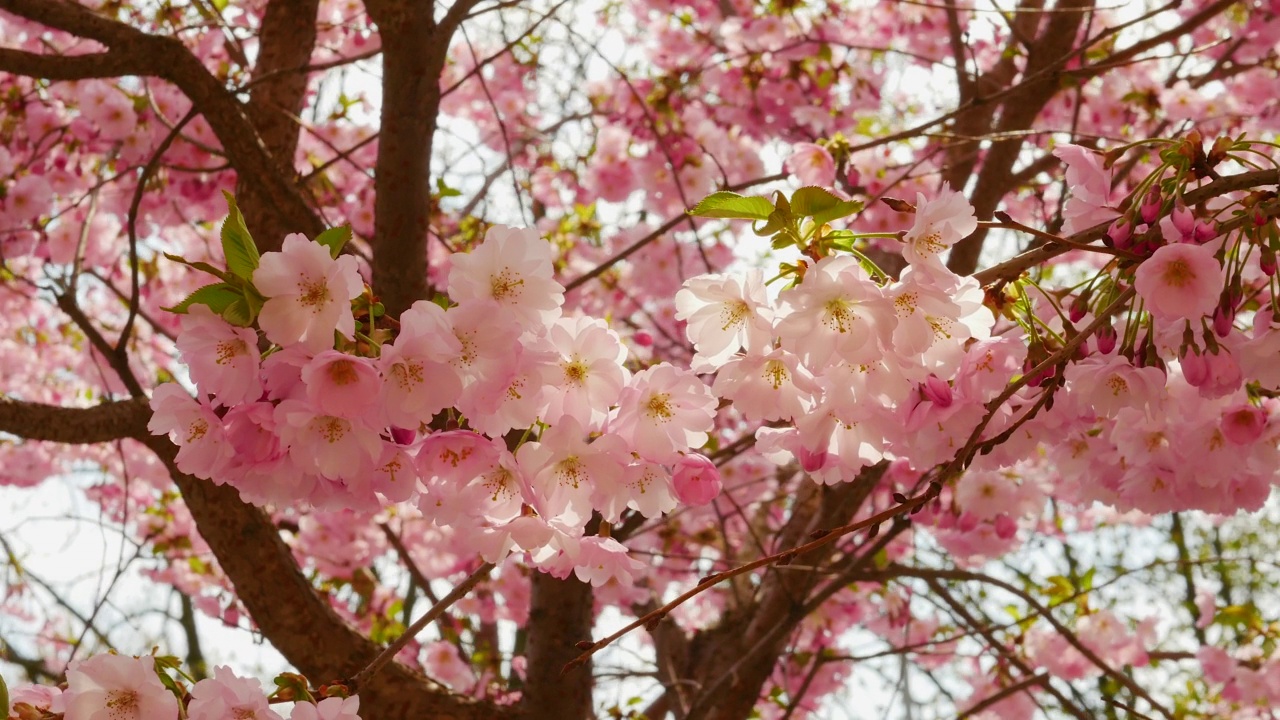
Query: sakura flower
{"points": [[37, 698], [203, 450], [564, 468], [647, 489], [328, 709], [117, 687], [725, 313], [589, 369], [1243, 424], [29, 198], [1180, 282], [341, 385], [602, 559], [769, 386], [1090, 184], [1108, 384], [223, 359], [837, 311], [512, 267], [227, 696], [940, 223], [696, 480], [308, 294], [664, 411], [331, 446], [812, 164], [418, 380]]}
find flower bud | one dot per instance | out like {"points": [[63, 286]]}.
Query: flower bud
{"points": [[936, 390], [1243, 424], [1106, 339], [1267, 262], [696, 480], [1121, 233], [1150, 208]]}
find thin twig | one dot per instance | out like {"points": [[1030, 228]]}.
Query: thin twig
{"points": [[388, 654]]}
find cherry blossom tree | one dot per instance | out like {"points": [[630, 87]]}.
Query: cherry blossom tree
{"points": [[645, 358]]}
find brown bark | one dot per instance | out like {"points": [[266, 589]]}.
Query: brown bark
{"points": [[730, 663], [560, 614], [413, 55]]}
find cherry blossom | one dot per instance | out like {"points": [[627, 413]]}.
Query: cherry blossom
{"points": [[1180, 281], [307, 294], [117, 687]]}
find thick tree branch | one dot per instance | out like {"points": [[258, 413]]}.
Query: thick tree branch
{"points": [[250, 551], [168, 58]]}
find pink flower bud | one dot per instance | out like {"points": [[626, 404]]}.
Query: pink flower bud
{"points": [[642, 338], [936, 390], [1267, 262], [1121, 232], [1006, 527], [1223, 317], [1106, 339], [1183, 220], [696, 480], [1243, 424], [403, 436], [1150, 208], [811, 460], [1195, 368]]}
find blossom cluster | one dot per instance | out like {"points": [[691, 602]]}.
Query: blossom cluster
{"points": [[426, 412], [118, 687]]}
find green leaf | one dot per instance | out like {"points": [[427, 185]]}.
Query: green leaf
{"points": [[444, 191], [733, 205], [237, 244], [238, 313], [822, 205], [335, 239], [201, 266], [4, 695], [217, 297]]}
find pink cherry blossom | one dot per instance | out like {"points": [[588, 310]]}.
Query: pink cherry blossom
{"points": [[224, 359], [225, 695], [589, 373], [725, 313], [1180, 282], [29, 198], [1090, 186], [418, 380], [940, 223], [308, 294], [341, 385], [117, 687], [602, 559], [812, 165], [696, 479], [332, 446], [836, 312], [512, 268], [328, 709], [664, 411], [202, 444]]}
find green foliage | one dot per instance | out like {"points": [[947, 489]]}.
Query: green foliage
{"points": [[733, 206], [335, 239], [237, 244]]}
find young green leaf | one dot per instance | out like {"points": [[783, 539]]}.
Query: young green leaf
{"points": [[238, 313], [237, 244], [822, 205], [733, 205], [201, 266], [334, 239], [217, 296]]}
